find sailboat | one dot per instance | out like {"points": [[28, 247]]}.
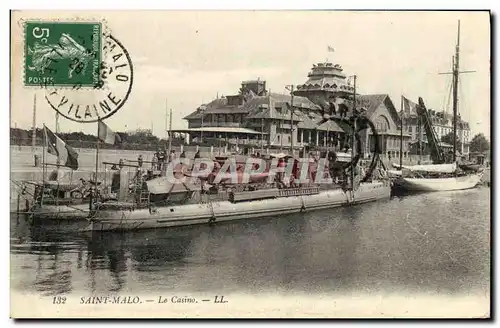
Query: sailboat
{"points": [[440, 176]]}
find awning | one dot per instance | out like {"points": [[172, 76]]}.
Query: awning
{"points": [[220, 129], [330, 126]]}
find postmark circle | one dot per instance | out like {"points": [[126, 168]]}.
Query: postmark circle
{"points": [[85, 104]]}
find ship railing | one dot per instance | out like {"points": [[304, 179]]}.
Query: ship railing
{"points": [[298, 191], [219, 197]]}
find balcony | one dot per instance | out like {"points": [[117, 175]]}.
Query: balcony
{"points": [[216, 125]]}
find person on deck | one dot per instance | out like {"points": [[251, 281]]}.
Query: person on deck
{"points": [[171, 156], [154, 161], [139, 161], [161, 159]]}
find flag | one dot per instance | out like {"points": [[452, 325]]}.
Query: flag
{"points": [[409, 107], [57, 147], [107, 135], [330, 49]]}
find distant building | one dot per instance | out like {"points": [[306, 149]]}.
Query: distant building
{"points": [[442, 123], [255, 117]]}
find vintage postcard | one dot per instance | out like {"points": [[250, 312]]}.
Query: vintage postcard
{"points": [[250, 164]]}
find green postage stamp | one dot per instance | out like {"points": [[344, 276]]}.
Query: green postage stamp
{"points": [[64, 54]]}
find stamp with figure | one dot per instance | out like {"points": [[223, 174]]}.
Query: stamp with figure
{"points": [[62, 53], [114, 83]]}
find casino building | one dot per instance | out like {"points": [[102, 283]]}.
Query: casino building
{"points": [[257, 118]]}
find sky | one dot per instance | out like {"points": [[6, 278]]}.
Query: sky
{"points": [[182, 59]]}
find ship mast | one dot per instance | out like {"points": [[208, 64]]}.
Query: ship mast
{"points": [[170, 133], [33, 135], [166, 123], [456, 68], [58, 161], [455, 73]]}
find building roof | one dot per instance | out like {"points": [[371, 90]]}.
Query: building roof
{"points": [[278, 106], [220, 129], [326, 77], [331, 126], [308, 120], [216, 106], [372, 102], [443, 118]]}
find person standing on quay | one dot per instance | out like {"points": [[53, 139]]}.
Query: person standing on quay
{"points": [[161, 159], [171, 156], [140, 161], [154, 161]]}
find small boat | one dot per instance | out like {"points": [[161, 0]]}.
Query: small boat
{"points": [[52, 200], [460, 182]]}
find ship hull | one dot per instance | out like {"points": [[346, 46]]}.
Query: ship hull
{"points": [[438, 168], [439, 184], [192, 214], [61, 212]]}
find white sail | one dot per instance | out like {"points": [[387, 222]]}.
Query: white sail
{"points": [[437, 168], [440, 184]]}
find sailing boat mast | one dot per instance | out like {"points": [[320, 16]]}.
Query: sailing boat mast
{"points": [[170, 134], [166, 123], [454, 86], [58, 161], [33, 135], [456, 68]]}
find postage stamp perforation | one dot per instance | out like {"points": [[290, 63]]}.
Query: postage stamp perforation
{"points": [[105, 32]]}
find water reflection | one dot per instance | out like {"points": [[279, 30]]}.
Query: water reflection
{"points": [[427, 242]]}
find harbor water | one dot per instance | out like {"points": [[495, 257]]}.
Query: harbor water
{"points": [[426, 243]]}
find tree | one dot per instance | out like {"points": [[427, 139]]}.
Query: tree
{"points": [[449, 140], [479, 143]]}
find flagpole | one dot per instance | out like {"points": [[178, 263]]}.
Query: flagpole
{"points": [[96, 160], [401, 140], [33, 134], [58, 161], [44, 139], [170, 133], [166, 125]]}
